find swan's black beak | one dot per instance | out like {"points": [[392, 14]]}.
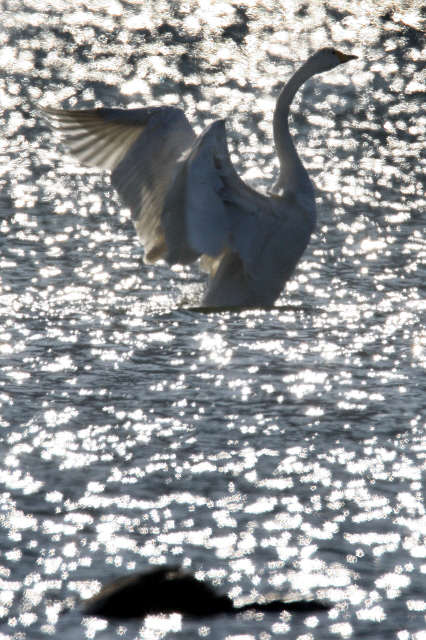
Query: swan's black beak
{"points": [[344, 57]]}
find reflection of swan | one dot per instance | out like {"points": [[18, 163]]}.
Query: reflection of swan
{"points": [[169, 590], [188, 201]]}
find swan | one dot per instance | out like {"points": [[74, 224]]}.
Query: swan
{"points": [[187, 200]]}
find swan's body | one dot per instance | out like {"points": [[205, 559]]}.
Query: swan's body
{"points": [[187, 200]]}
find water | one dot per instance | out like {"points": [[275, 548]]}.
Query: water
{"points": [[268, 450]]}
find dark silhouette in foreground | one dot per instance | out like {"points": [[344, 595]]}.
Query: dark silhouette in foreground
{"points": [[170, 590]]}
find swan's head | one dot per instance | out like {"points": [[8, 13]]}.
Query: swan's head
{"points": [[328, 58]]}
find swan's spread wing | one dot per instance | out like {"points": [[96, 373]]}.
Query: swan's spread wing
{"points": [[98, 137], [209, 208], [194, 217], [140, 147]]}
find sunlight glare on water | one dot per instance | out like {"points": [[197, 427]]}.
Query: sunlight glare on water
{"points": [[269, 452]]}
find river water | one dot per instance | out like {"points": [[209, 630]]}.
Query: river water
{"points": [[279, 450]]}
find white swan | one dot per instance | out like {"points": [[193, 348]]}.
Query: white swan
{"points": [[187, 199]]}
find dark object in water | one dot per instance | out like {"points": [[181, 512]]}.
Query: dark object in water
{"points": [[170, 590]]}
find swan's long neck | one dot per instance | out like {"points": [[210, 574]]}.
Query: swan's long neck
{"points": [[292, 172]]}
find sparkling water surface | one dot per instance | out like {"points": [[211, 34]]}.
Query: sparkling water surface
{"points": [[280, 450]]}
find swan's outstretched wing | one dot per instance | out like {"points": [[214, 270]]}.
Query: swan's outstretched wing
{"points": [[208, 202], [140, 147]]}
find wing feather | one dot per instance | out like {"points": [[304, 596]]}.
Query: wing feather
{"points": [[94, 140], [141, 148], [209, 208]]}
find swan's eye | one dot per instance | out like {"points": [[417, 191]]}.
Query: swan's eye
{"points": [[333, 51]]}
